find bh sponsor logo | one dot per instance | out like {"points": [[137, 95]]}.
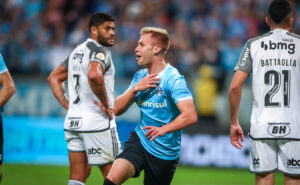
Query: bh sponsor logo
{"points": [[293, 163], [94, 151], [255, 161], [279, 129], [278, 46]]}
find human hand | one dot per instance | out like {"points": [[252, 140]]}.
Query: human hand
{"points": [[153, 132], [236, 136], [108, 111], [147, 82]]}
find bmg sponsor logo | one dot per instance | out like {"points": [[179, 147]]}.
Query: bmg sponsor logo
{"points": [[94, 151], [279, 46], [293, 163], [279, 129]]}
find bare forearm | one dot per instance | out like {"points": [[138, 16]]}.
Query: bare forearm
{"points": [[6, 93], [234, 102], [124, 101], [98, 87], [60, 94], [182, 121]]}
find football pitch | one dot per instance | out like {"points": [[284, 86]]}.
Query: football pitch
{"points": [[58, 175]]}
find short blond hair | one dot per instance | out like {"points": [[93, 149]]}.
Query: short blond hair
{"points": [[161, 36]]}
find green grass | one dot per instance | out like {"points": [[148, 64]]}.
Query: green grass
{"points": [[58, 175]]}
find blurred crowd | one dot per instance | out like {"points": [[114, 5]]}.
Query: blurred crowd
{"points": [[207, 36]]}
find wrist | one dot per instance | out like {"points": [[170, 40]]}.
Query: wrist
{"points": [[164, 130], [136, 89]]}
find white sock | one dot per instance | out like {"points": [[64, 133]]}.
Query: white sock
{"points": [[75, 182]]}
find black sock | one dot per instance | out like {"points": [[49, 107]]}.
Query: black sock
{"points": [[108, 182]]}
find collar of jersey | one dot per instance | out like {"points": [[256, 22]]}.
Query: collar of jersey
{"points": [[92, 40], [279, 30], [162, 72]]}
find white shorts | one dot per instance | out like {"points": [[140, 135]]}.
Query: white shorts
{"points": [[101, 147], [269, 155]]}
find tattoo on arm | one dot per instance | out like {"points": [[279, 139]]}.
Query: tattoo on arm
{"points": [[102, 94]]}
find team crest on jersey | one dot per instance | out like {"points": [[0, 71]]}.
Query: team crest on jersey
{"points": [[100, 56], [159, 91]]}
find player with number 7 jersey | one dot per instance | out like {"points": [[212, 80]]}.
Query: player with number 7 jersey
{"points": [[274, 63], [90, 128], [82, 98]]}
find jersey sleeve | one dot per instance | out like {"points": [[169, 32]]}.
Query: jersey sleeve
{"points": [[245, 61], [3, 67], [137, 77], [178, 89], [66, 62], [100, 55]]}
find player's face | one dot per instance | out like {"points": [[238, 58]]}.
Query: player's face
{"points": [[106, 33], [145, 50]]}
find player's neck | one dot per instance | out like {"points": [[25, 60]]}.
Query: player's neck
{"points": [[93, 38], [157, 66], [280, 27]]}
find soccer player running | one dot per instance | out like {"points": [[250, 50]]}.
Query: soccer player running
{"points": [[89, 131], [275, 122], [166, 106], [6, 92]]}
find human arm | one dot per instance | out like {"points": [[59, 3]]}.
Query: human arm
{"points": [[8, 88], [124, 101], [96, 82], [187, 117], [235, 91], [56, 80]]}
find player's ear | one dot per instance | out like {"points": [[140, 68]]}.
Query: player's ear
{"points": [[157, 49], [291, 22], [93, 30], [268, 21]]}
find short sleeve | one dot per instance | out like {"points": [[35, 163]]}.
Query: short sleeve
{"points": [[178, 89], [137, 77], [3, 67], [65, 62], [245, 61], [100, 55]]}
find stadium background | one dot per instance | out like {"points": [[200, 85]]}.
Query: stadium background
{"points": [[207, 37]]}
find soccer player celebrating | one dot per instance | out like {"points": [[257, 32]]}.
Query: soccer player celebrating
{"points": [[6, 92], [90, 131], [275, 123], [166, 107]]}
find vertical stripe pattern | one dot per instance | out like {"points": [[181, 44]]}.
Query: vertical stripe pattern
{"points": [[115, 143]]}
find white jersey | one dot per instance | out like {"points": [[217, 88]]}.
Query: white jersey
{"points": [[83, 114], [274, 61]]}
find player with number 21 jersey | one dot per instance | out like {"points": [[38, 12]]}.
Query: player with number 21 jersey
{"points": [[274, 60]]}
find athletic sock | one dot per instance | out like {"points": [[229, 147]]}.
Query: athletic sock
{"points": [[108, 182], [75, 182]]}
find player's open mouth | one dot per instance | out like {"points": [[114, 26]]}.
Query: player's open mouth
{"points": [[138, 57]]}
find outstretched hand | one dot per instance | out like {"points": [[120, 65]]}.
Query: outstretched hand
{"points": [[108, 111], [147, 82], [153, 132], [236, 136]]}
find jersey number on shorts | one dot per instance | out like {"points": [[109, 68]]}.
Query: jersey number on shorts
{"points": [[273, 77], [76, 77]]}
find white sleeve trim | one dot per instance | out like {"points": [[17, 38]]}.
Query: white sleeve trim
{"points": [[185, 98], [3, 71]]}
